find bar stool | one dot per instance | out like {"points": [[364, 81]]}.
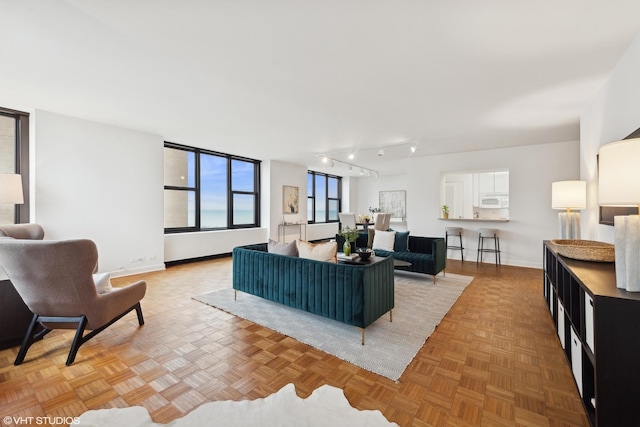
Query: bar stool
{"points": [[488, 233], [454, 232]]}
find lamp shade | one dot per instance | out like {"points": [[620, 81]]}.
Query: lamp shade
{"points": [[619, 173], [569, 195], [11, 188]]}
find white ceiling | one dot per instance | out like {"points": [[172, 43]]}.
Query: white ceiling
{"points": [[290, 80]]}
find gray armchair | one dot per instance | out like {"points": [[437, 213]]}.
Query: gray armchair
{"points": [[22, 231], [55, 280], [15, 316]]}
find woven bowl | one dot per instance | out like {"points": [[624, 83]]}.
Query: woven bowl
{"points": [[585, 250]]}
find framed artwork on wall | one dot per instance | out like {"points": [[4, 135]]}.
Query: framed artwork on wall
{"points": [[393, 202], [290, 198]]}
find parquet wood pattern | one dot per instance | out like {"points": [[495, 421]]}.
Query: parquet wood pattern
{"points": [[494, 360]]}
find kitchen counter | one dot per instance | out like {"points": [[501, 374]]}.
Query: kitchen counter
{"points": [[476, 219]]}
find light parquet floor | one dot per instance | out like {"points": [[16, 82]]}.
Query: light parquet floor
{"points": [[494, 360]]}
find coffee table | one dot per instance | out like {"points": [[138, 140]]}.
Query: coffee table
{"points": [[373, 260]]}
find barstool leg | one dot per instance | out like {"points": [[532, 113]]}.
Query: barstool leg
{"points": [[461, 247]]}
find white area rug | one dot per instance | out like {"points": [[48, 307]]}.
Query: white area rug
{"points": [[389, 346], [326, 406]]}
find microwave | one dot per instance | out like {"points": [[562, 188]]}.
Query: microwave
{"points": [[494, 202]]}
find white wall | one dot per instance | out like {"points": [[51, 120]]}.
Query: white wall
{"points": [[368, 189], [532, 169], [611, 116], [184, 246], [100, 182], [290, 174]]}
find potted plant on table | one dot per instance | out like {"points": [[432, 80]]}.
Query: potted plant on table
{"points": [[445, 211], [350, 235]]}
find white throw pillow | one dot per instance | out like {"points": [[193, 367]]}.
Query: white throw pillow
{"points": [[384, 240], [319, 251], [102, 282]]}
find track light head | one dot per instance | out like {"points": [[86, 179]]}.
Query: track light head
{"points": [[380, 152]]}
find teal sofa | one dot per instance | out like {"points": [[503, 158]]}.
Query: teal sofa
{"points": [[427, 255], [353, 294]]}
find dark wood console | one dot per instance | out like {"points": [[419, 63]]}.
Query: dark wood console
{"points": [[598, 326]]}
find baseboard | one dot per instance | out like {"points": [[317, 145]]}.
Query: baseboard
{"points": [[139, 270]]}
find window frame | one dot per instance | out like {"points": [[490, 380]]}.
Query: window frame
{"points": [[197, 187], [21, 211], [312, 200]]}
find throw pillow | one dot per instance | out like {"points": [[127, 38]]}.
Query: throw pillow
{"points": [[319, 251], [384, 240], [401, 243], [102, 282], [289, 249]]}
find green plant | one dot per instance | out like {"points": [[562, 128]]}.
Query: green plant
{"points": [[445, 209], [350, 234]]}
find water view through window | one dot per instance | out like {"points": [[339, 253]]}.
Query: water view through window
{"points": [[224, 184]]}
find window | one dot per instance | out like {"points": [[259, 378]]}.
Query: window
{"points": [[14, 158], [324, 197], [206, 190]]}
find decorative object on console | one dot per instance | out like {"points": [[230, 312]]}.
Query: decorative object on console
{"points": [[585, 250], [618, 177], [569, 195]]}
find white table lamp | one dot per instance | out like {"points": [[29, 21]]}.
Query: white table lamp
{"points": [[569, 195], [619, 185], [11, 189]]}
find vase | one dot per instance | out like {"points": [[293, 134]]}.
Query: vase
{"points": [[346, 248], [445, 215]]}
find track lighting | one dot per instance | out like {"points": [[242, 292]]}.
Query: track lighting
{"points": [[380, 152], [352, 155], [331, 162]]}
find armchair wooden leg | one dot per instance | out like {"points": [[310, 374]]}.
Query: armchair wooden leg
{"points": [[27, 341], [139, 313], [77, 341]]}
